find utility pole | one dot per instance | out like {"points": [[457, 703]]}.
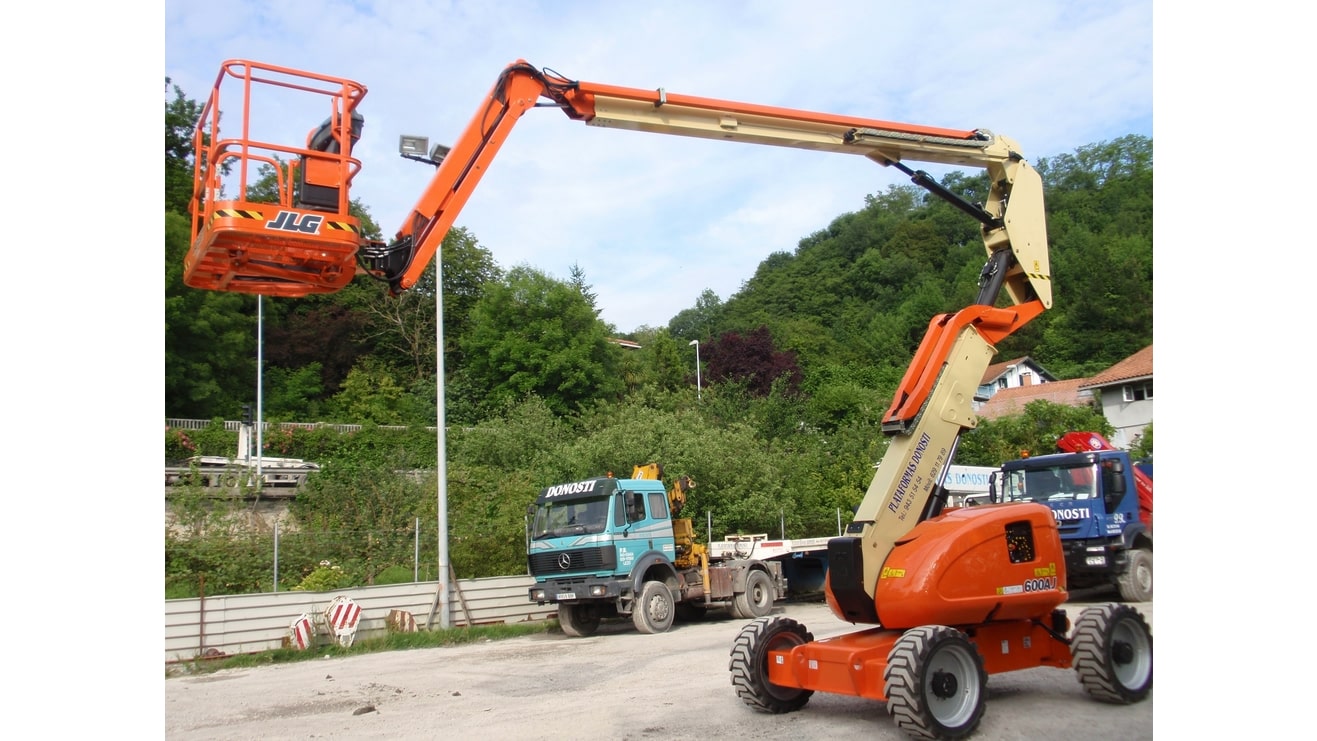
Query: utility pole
{"points": [[698, 394]]}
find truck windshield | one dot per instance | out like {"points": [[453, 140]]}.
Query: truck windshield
{"points": [[556, 518], [1051, 484]]}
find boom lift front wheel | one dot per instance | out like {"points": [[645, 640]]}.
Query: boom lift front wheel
{"points": [[749, 664], [935, 682]]}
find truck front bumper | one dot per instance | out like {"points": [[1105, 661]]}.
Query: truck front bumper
{"points": [[580, 589], [1095, 557]]}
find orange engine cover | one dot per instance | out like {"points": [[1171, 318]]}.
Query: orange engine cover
{"points": [[974, 565]]}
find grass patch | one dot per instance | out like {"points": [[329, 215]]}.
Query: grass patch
{"points": [[389, 642]]}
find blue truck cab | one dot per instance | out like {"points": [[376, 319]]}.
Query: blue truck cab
{"points": [[1095, 500], [606, 547]]}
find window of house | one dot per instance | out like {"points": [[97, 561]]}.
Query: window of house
{"points": [[1001, 383], [1137, 391]]}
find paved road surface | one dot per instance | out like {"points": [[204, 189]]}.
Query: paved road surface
{"points": [[617, 684]]}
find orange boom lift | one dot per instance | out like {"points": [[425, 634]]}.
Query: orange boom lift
{"points": [[950, 597]]}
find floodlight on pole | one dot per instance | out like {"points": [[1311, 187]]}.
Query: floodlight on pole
{"points": [[698, 395], [416, 148]]}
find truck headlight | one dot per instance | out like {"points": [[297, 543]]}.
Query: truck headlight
{"points": [[1096, 560], [537, 595], [598, 590]]}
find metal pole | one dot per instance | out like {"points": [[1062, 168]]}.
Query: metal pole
{"points": [[709, 514], [445, 619], [260, 360], [839, 522], [698, 395], [416, 559], [276, 555], [782, 522]]}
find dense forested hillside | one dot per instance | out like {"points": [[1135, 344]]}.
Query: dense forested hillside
{"points": [[799, 365]]}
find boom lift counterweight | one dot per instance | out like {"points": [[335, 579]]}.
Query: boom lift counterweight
{"points": [[953, 596]]}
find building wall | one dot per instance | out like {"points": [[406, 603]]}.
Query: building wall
{"points": [[1128, 417]]}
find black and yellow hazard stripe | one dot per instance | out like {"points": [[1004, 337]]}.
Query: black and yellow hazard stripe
{"points": [[343, 226], [236, 213]]}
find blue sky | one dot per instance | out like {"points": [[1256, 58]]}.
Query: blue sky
{"points": [[654, 220]]}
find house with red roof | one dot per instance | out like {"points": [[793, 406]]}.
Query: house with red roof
{"points": [[1009, 374], [1122, 392]]}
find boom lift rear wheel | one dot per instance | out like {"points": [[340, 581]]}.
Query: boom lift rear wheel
{"points": [[934, 683], [749, 664], [1112, 649]]}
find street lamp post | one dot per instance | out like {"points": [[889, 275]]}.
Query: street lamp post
{"points": [[698, 395]]}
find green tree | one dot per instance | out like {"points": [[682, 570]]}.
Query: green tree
{"points": [[532, 334], [181, 115], [210, 339], [1034, 431], [697, 323], [1142, 447]]}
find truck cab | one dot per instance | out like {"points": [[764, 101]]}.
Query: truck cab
{"points": [[1093, 497]]}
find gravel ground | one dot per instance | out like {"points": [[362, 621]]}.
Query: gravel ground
{"points": [[617, 684]]}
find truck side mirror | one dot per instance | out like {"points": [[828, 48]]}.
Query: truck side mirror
{"points": [[1116, 469]]}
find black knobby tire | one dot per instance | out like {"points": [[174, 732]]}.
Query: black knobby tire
{"points": [[935, 683], [749, 664], [578, 620], [1136, 583], [654, 610], [1112, 650], [757, 599]]}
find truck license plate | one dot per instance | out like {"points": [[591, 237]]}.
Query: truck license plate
{"points": [[567, 595]]}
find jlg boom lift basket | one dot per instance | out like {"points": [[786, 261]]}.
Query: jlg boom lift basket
{"points": [[305, 241]]}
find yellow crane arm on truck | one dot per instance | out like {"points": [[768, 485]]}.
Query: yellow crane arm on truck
{"points": [[297, 246]]}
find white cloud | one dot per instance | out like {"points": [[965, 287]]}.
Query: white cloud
{"points": [[652, 220]]}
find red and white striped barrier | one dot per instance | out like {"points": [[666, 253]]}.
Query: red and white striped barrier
{"points": [[342, 616], [303, 633]]}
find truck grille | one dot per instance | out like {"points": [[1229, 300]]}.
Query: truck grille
{"points": [[552, 563]]}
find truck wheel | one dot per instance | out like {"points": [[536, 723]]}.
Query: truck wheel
{"points": [[654, 609], [934, 683], [757, 599], [1136, 583], [1112, 649], [749, 664], [578, 620]]}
